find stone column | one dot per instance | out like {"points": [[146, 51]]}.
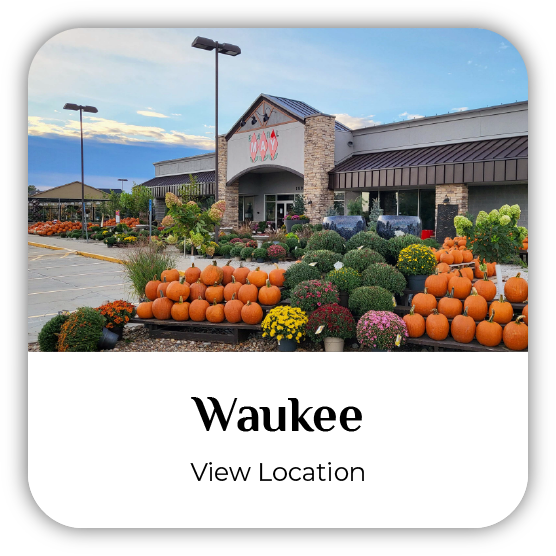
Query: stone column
{"points": [[228, 193], [319, 160], [458, 193]]}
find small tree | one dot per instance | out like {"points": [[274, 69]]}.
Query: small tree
{"points": [[375, 212], [298, 206]]}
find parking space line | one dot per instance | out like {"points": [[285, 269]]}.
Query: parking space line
{"points": [[61, 266], [76, 289], [72, 275]]}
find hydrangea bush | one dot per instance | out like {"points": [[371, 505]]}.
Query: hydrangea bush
{"points": [[381, 330], [338, 322], [312, 294]]}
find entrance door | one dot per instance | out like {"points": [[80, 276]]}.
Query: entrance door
{"points": [[282, 208]]}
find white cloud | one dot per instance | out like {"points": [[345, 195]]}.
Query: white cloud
{"points": [[151, 114], [408, 116], [462, 109], [176, 114], [356, 122], [513, 70], [469, 61], [208, 125], [111, 131], [503, 46]]}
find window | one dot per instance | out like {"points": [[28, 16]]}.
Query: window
{"points": [[340, 203], [245, 209], [408, 202], [270, 208], [427, 207], [389, 202]]}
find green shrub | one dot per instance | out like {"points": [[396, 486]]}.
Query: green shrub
{"points": [[396, 244], [236, 250], [63, 234], [122, 228], [245, 236], [360, 259], [266, 244], [259, 253], [297, 228], [110, 240], [297, 273], [246, 252], [81, 331], [95, 229], [317, 227], [325, 259], [292, 243], [299, 252], [371, 240], [432, 243], [385, 276], [346, 279], [156, 232], [370, 298], [303, 243], [326, 240], [48, 336], [226, 249]]}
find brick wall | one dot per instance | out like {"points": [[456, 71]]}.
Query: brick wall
{"points": [[457, 193], [229, 193]]}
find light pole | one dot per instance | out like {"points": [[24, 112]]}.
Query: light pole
{"points": [[122, 183], [93, 110], [229, 50]]}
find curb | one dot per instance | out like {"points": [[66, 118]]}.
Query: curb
{"points": [[45, 246], [81, 253]]}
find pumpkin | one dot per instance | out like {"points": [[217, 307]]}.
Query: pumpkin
{"points": [[151, 289], [232, 309], [437, 284], [437, 326], [269, 294], [198, 289], [231, 288], [258, 277], [251, 313], [248, 292], [162, 307], [486, 288], [463, 328], [415, 323], [458, 256], [516, 334], [462, 242], [449, 242], [478, 270], [211, 274], [145, 310], [215, 293], [460, 285], [163, 287], [178, 288], [180, 310], [449, 306], [215, 312], [489, 332], [491, 270], [447, 258], [424, 303], [241, 273], [467, 255], [227, 272], [467, 272], [525, 313], [171, 275], [443, 267], [192, 274], [516, 289], [504, 310], [198, 309], [476, 306], [276, 276]]}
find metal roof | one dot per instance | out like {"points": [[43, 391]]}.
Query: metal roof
{"points": [[180, 179], [472, 151]]}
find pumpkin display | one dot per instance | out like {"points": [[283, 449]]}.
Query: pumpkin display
{"points": [[163, 287], [248, 292], [415, 323], [478, 270], [276, 276], [251, 313], [231, 288], [463, 328], [198, 309], [437, 284], [486, 288], [171, 275], [180, 310], [192, 274], [241, 273], [232, 309], [424, 303], [525, 313], [215, 312], [447, 258], [269, 294], [437, 326], [516, 289], [227, 272], [504, 310], [491, 269], [476, 306], [449, 306], [151, 289], [489, 332], [162, 307], [212, 274], [467, 255], [197, 289], [178, 288], [145, 310], [516, 334], [215, 293], [460, 285], [443, 267], [258, 277], [458, 256]]}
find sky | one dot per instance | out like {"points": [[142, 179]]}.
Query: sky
{"points": [[155, 94]]}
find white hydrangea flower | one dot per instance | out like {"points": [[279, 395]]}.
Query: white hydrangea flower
{"points": [[505, 220]]}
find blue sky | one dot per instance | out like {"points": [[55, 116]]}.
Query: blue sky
{"points": [[155, 94]]}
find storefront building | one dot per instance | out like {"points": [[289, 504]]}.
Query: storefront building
{"points": [[280, 148]]}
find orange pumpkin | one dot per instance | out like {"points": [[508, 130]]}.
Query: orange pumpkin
{"points": [[145, 310], [488, 332], [215, 293], [215, 313], [231, 288], [458, 256], [449, 306], [460, 285], [163, 287], [437, 326], [251, 313], [516, 334], [525, 313], [467, 272], [276, 276], [192, 274], [232, 309], [424, 303], [178, 288], [503, 310], [180, 310], [248, 292], [463, 328], [467, 255], [258, 277], [198, 309], [447, 258], [162, 307], [516, 289], [212, 274], [478, 270], [227, 272], [415, 323], [269, 294], [486, 288], [151, 289], [476, 306], [171, 275], [437, 284], [198, 289], [443, 267], [241, 273]]}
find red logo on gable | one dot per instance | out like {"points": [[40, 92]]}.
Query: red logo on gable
{"points": [[273, 144], [263, 146], [253, 147]]}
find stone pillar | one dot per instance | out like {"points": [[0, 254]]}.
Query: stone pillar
{"points": [[458, 193], [228, 193], [319, 160]]}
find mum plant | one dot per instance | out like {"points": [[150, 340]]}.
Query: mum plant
{"points": [[416, 260], [398, 243], [360, 259], [117, 313], [368, 239], [324, 259], [285, 322], [367, 298], [337, 322], [276, 252], [312, 294], [346, 279], [259, 253], [385, 276], [297, 273], [82, 330], [48, 336], [326, 239], [381, 330]]}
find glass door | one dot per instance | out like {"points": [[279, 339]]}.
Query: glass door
{"points": [[282, 208]]}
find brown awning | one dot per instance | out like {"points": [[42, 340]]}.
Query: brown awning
{"points": [[494, 160]]}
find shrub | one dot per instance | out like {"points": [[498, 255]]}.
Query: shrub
{"points": [[276, 252], [385, 276], [302, 243], [297, 228], [259, 253], [415, 260], [245, 236], [317, 227], [246, 252], [267, 244], [63, 234], [370, 240], [236, 240], [360, 259], [285, 246], [346, 279], [95, 229], [261, 227], [338, 322], [432, 243], [225, 249], [326, 240], [325, 259], [297, 273], [298, 253], [236, 250], [312, 294], [110, 240], [370, 298], [396, 244], [292, 243], [48, 336], [381, 330], [121, 228], [81, 331], [251, 243]]}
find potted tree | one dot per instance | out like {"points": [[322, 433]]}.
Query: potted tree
{"points": [[296, 214], [332, 324]]}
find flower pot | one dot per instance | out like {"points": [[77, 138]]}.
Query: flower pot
{"points": [[237, 258], [417, 282], [118, 330], [344, 298], [109, 245], [274, 261], [107, 339], [248, 259], [346, 226], [376, 349], [388, 225], [287, 345], [260, 260], [333, 344], [290, 223]]}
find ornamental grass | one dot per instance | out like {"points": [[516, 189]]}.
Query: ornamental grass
{"points": [[381, 330], [285, 322]]}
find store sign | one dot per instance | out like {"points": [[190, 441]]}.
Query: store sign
{"points": [[263, 146]]}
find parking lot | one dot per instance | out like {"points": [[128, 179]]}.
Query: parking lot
{"points": [[60, 280]]}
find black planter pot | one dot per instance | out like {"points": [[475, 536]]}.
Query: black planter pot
{"points": [[273, 260], [346, 226], [109, 245], [107, 339], [388, 225], [118, 330], [290, 223], [344, 298], [287, 345], [416, 283], [260, 260]]}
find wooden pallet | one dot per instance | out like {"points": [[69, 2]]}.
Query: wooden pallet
{"points": [[451, 344]]}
